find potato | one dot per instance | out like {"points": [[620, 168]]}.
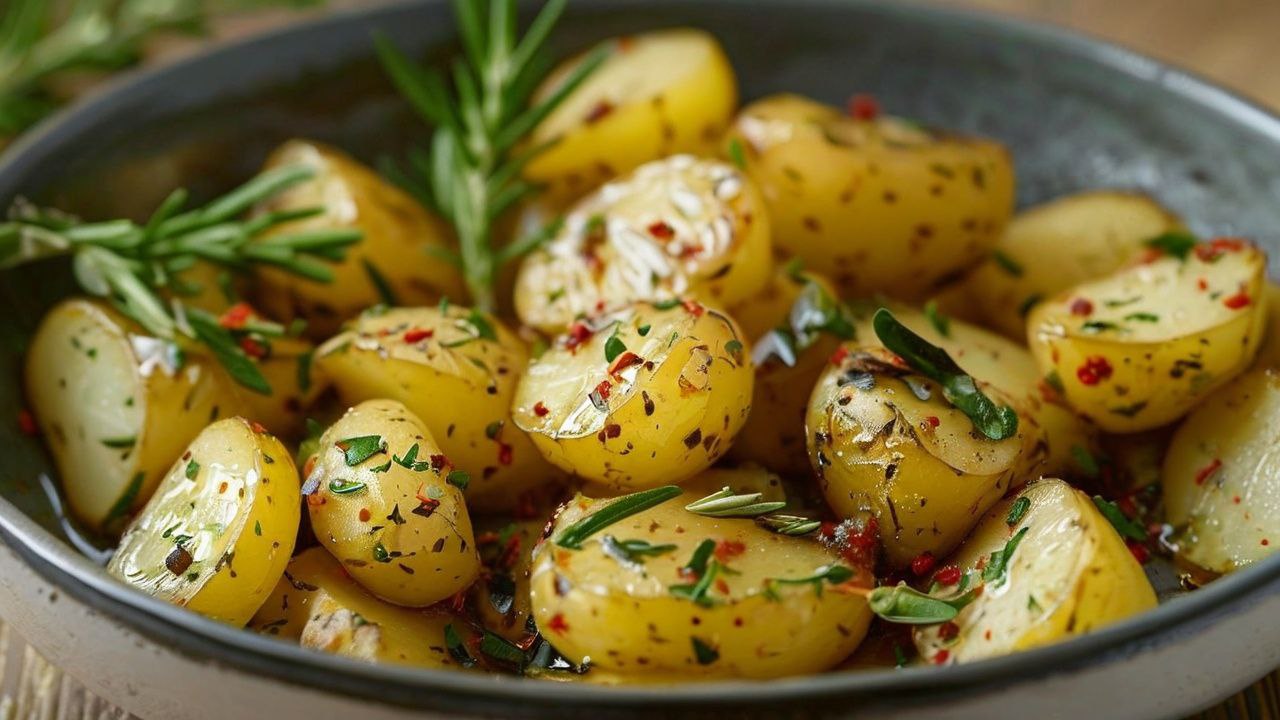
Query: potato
{"points": [[1269, 353], [1137, 349], [218, 532], [1068, 575], [812, 325], [457, 370], [1222, 476], [756, 619], [885, 440], [675, 227], [116, 406], [384, 501], [319, 605], [879, 204], [657, 94], [1051, 247], [395, 250], [645, 396]]}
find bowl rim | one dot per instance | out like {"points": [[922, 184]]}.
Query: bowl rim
{"points": [[205, 639]]}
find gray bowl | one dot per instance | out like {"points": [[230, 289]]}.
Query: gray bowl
{"points": [[1077, 113]]}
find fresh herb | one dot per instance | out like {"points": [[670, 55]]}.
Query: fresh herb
{"points": [[459, 479], [704, 653], [697, 565], [477, 327], [618, 509], [726, 503], [1006, 263], [345, 487], [228, 352], [304, 371], [905, 605], [814, 313], [632, 551], [380, 553], [643, 330], [193, 469], [697, 592], [940, 322], [1017, 510], [997, 569], [1094, 327], [833, 574], [734, 348], [1121, 522], [1029, 302], [499, 648], [736, 154], [379, 281], [456, 648], [1142, 317], [960, 389], [1085, 461], [613, 347], [356, 450], [120, 443], [410, 460], [257, 528], [1175, 244], [124, 503], [794, 525]]}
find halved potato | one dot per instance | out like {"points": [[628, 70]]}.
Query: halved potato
{"points": [[456, 370], [1138, 349], [657, 94], [385, 501], [765, 612], [1051, 247], [675, 227], [878, 203], [648, 395], [218, 532], [1222, 476], [885, 440], [1068, 574], [395, 250], [116, 406]]}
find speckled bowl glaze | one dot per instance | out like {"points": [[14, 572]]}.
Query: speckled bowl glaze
{"points": [[1076, 113]]}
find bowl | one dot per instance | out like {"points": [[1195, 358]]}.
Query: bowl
{"points": [[1077, 114]]}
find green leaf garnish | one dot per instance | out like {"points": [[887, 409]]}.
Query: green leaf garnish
{"points": [[456, 648], [345, 487], [1122, 523], [613, 347], [1006, 263], [459, 479], [632, 551], [794, 525], [907, 606], [1175, 244], [618, 509], [356, 450], [120, 443], [940, 322], [227, 351], [1017, 510], [704, 653], [726, 503], [997, 569]]}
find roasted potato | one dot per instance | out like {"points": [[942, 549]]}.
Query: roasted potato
{"points": [[218, 532], [1222, 476], [385, 502], [457, 370], [673, 228], [885, 440], [1068, 573], [648, 395], [1138, 349], [766, 607], [393, 258], [1051, 247], [656, 94], [116, 406], [878, 203]]}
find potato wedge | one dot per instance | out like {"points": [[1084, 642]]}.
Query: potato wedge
{"points": [[116, 406], [217, 534], [384, 501], [675, 227], [645, 396], [1051, 247], [1068, 574], [456, 370], [879, 204], [1138, 349], [764, 611], [885, 440], [394, 252], [1222, 476], [657, 94]]}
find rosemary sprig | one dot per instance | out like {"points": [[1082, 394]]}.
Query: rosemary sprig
{"points": [[128, 263], [726, 503], [472, 173], [618, 509], [794, 525], [907, 606]]}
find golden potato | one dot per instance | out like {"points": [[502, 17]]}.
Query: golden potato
{"points": [[116, 406], [395, 251], [757, 604], [648, 395], [385, 502], [656, 94], [878, 203], [1222, 476], [218, 532], [1051, 247], [1068, 573], [673, 228], [884, 439], [457, 370], [1137, 349]]}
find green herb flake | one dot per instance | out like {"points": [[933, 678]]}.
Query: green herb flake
{"points": [[1017, 510], [1123, 524], [345, 487], [1174, 244], [459, 479], [456, 647], [356, 450], [734, 348], [120, 443], [736, 154], [632, 551], [1006, 263], [643, 330], [304, 371], [618, 509], [1029, 302], [704, 653], [940, 322], [257, 528], [380, 553], [1142, 317], [1085, 460], [997, 569], [193, 469], [613, 347]]}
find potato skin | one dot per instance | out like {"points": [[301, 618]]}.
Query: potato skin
{"points": [[626, 619], [217, 534], [398, 235], [658, 94], [460, 385], [675, 227], [672, 410], [1222, 476], [402, 532], [1069, 575], [880, 205]]}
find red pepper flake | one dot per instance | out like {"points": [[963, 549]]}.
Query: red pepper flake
{"points": [[1081, 307], [364, 515], [839, 355], [1094, 370], [662, 230], [622, 362], [1238, 301], [578, 334], [1202, 284], [27, 423], [625, 43], [1265, 542], [726, 549], [948, 631], [603, 389], [947, 576], [222, 488], [923, 564], [599, 111], [1140, 551], [941, 657], [1207, 471], [1217, 247], [504, 454], [863, 107], [236, 316], [458, 602], [558, 624], [439, 461], [253, 348], [539, 409], [417, 335], [722, 586], [526, 507], [257, 427], [1236, 499], [933, 421], [308, 466], [693, 307]]}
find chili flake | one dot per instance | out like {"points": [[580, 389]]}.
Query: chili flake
{"points": [[1238, 301], [622, 362], [693, 307], [27, 423], [863, 107], [236, 316], [1139, 551], [540, 409], [1094, 370], [1207, 471], [603, 389], [839, 355], [1081, 307], [504, 454], [661, 230], [417, 335], [726, 549], [599, 111], [253, 348], [257, 428], [941, 657], [949, 575], [933, 421], [578, 334], [558, 624], [922, 564]]}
